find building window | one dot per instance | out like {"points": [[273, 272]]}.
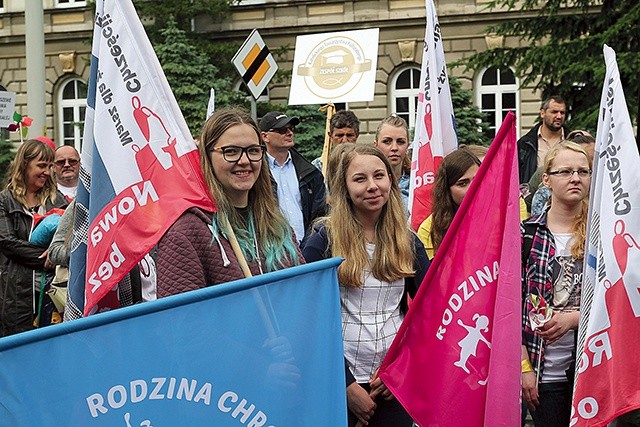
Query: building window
{"points": [[405, 86], [70, 3], [1, 5], [496, 94], [72, 105]]}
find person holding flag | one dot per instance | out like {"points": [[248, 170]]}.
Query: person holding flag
{"points": [[247, 235], [384, 260], [553, 252]]}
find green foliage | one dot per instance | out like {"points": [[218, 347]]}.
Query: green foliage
{"points": [[310, 131], [6, 156], [561, 50], [471, 123], [183, 13], [191, 75]]}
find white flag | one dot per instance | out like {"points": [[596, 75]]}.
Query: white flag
{"points": [[608, 380], [435, 133]]}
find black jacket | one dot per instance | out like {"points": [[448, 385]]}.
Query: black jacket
{"points": [[18, 260], [528, 153], [312, 190]]}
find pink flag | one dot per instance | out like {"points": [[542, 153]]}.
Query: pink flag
{"points": [[608, 379], [456, 358], [435, 132]]}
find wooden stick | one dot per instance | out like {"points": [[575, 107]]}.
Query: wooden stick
{"points": [[326, 149]]}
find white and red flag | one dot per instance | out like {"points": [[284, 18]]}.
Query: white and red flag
{"points": [[140, 168], [608, 378], [456, 358], [435, 131]]}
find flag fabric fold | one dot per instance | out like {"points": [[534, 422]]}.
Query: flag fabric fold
{"points": [[140, 168], [456, 358], [435, 128], [607, 382]]}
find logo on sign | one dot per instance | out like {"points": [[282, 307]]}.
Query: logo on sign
{"points": [[334, 66]]}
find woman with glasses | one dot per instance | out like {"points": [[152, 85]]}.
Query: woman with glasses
{"points": [[198, 250], [30, 191], [553, 251]]}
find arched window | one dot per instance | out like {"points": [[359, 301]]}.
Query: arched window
{"points": [[72, 104], [496, 94], [404, 88]]}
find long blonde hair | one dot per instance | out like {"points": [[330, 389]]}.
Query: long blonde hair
{"points": [[272, 231], [579, 228], [393, 257], [16, 184]]}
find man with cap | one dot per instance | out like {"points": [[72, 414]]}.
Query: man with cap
{"points": [[298, 185]]}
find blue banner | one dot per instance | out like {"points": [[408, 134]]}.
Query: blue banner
{"points": [[263, 351]]}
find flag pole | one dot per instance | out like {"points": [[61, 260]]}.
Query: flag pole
{"points": [[326, 149]]}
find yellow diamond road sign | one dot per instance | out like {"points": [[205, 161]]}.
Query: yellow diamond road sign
{"points": [[255, 63]]}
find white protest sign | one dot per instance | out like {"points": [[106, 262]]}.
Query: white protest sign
{"points": [[7, 107], [334, 67]]}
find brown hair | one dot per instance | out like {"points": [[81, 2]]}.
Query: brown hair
{"points": [[31, 150], [274, 234], [453, 166]]}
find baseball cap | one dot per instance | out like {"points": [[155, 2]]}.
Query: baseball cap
{"points": [[276, 120]]}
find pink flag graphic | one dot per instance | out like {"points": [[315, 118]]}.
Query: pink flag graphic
{"points": [[435, 133], [608, 378], [457, 353]]}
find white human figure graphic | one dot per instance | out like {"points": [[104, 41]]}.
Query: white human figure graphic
{"points": [[145, 423], [469, 344]]}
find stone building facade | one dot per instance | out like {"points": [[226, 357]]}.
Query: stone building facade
{"points": [[68, 26]]}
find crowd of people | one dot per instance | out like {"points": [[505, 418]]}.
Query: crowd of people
{"points": [[276, 209]]}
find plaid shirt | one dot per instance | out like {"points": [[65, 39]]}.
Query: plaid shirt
{"points": [[537, 278]]}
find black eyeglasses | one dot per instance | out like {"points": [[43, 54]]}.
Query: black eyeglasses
{"points": [[568, 173], [232, 153], [283, 130], [61, 162]]}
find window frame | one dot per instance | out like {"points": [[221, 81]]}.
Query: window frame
{"points": [[497, 91], [76, 104], [410, 93]]}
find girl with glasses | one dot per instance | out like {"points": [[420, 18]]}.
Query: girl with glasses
{"points": [[30, 191], [552, 255], [197, 250]]}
